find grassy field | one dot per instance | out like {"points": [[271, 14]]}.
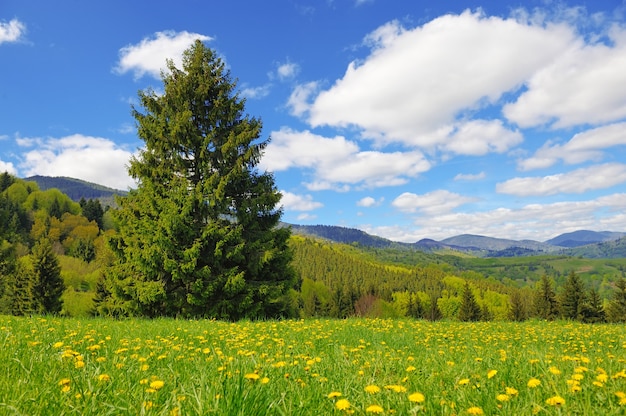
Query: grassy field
{"points": [[57, 366]]}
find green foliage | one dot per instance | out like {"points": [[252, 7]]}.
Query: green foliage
{"points": [[199, 236], [545, 302], [469, 309], [92, 210], [616, 308], [572, 297], [48, 286], [517, 311]]}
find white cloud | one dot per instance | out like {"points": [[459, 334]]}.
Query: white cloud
{"points": [[579, 87], [415, 82], [435, 202], [470, 176], [337, 162], [13, 31], [479, 137], [535, 221], [582, 147], [149, 56], [287, 71], [256, 92], [577, 181], [298, 100], [93, 159], [294, 202], [7, 167], [369, 202]]}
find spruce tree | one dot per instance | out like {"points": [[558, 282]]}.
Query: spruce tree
{"points": [[517, 311], [469, 309], [592, 310], [546, 304], [616, 308], [572, 297], [199, 235], [48, 286]]}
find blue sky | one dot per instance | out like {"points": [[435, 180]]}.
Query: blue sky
{"points": [[405, 119]]}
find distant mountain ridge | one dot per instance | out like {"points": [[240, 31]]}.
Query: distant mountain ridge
{"points": [[582, 243]]}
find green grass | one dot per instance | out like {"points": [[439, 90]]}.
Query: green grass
{"points": [[167, 367]]}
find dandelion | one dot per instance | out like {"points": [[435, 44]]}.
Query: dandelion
{"points": [[157, 384], [492, 373], [464, 381], [410, 368], [396, 388], [555, 371], [511, 391], [104, 377], [252, 376], [334, 394], [503, 397], [342, 404], [622, 397], [265, 380], [372, 389], [374, 409], [533, 382], [602, 378], [475, 410], [555, 401], [417, 398]]}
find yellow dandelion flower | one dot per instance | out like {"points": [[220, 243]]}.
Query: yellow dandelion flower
{"points": [[104, 377], [511, 391], [475, 410], [334, 394], [64, 382], [265, 380], [101, 359], [410, 368], [492, 373], [533, 382], [577, 377], [342, 404], [575, 388], [57, 344], [464, 381], [555, 371], [79, 364], [555, 401], [396, 388], [252, 376], [148, 405], [157, 384], [372, 389], [374, 409], [417, 398], [620, 394], [602, 378], [598, 384], [503, 397]]}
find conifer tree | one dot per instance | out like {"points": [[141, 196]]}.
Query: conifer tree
{"points": [[572, 297], [592, 310], [199, 236], [517, 311], [48, 286], [616, 308], [546, 304], [469, 309]]}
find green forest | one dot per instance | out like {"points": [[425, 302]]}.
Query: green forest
{"points": [[54, 253], [201, 237]]}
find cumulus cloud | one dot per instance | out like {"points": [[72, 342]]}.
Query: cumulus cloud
{"points": [[94, 159], [149, 56], [438, 201], [287, 70], [368, 202], [417, 81], [479, 137], [7, 167], [298, 101], [256, 92], [534, 221], [470, 176], [12, 31], [336, 162], [582, 147], [578, 87], [577, 181], [295, 202]]}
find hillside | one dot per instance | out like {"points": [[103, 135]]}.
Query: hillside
{"points": [[77, 189]]}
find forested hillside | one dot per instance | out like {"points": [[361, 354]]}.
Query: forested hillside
{"points": [[44, 232]]}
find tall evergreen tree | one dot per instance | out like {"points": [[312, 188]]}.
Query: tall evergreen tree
{"points": [[199, 236], [592, 310], [517, 311], [572, 297], [546, 305], [469, 309], [48, 286], [616, 308]]}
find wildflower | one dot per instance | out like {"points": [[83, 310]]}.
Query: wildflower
{"points": [[252, 376], [342, 404], [511, 391], [103, 377], [374, 409], [157, 384], [64, 382], [602, 378], [503, 397], [417, 398], [265, 380], [57, 344], [555, 401], [410, 368], [333, 394], [533, 382], [396, 388], [79, 364], [492, 373], [464, 381], [475, 410], [555, 370], [577, 377], [622, 397], [372, 389]]}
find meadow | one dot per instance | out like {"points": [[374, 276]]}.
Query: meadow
{"points": [[64, 366]]}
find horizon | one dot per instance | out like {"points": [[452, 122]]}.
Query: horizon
{"points": [[403, 120]]}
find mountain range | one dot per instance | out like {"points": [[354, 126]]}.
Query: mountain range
{"points": [[582, 243]]}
